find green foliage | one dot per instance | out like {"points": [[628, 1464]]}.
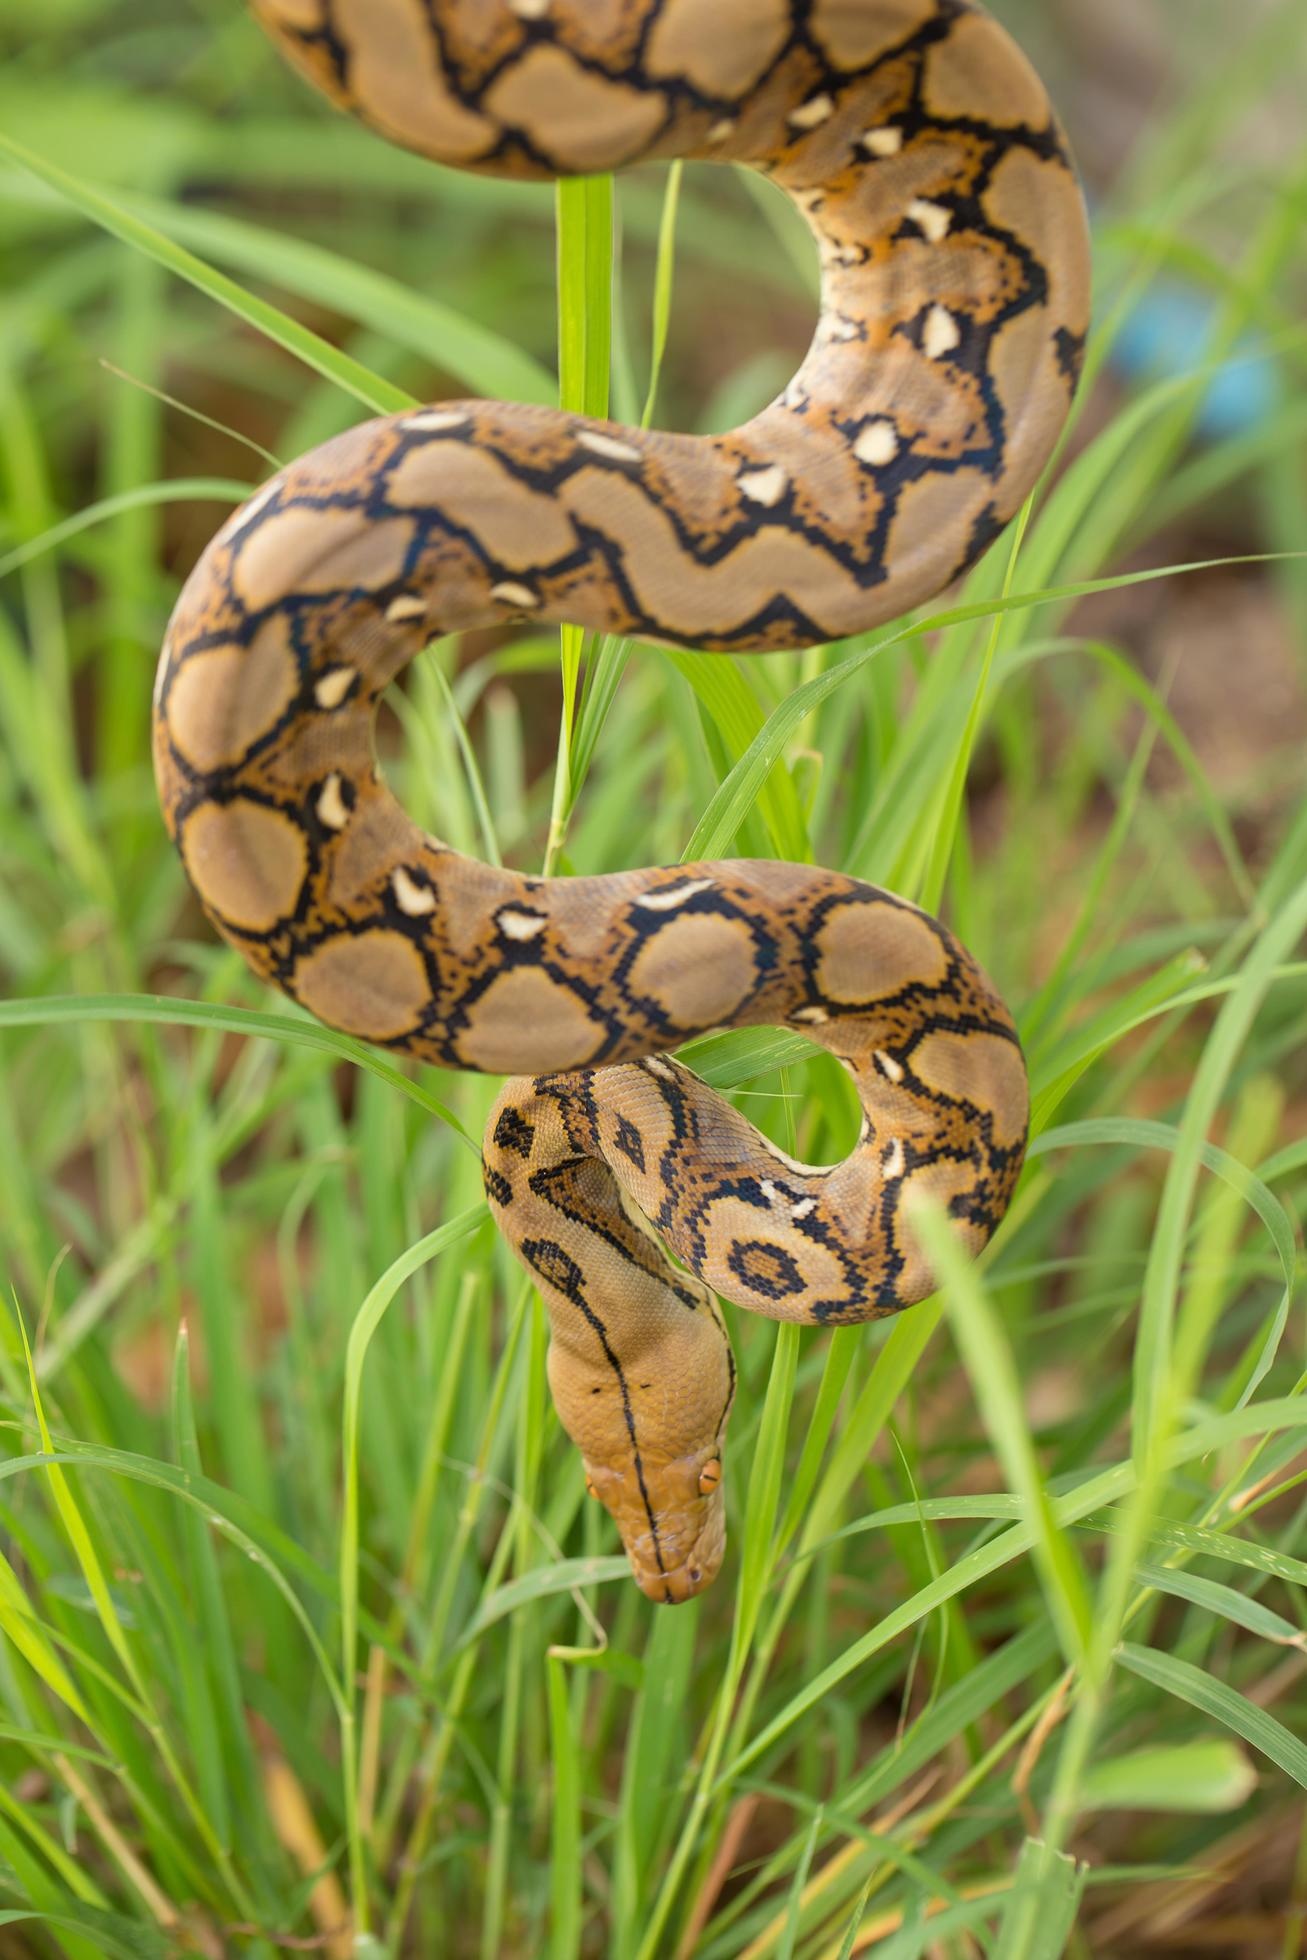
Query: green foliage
{"points": [[306, 1631]]}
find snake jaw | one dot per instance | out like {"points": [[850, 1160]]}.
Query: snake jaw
{"points": [[672, 1529]]}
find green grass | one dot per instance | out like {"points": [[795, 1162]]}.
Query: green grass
{"points": [[308, 1634]]}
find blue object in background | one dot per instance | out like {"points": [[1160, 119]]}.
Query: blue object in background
{"points": [[1169, 333]]}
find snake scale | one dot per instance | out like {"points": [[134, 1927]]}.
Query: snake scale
{"points": [[922, 150]]}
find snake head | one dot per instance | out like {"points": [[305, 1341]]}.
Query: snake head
{"points": [[672, 1517]]}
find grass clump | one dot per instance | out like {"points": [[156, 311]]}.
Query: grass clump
{"points": [[308, 1636]]}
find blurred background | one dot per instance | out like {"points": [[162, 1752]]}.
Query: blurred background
{"points": [[198, 1196]]}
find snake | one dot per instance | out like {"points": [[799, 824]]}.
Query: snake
{"points": [[923, 151]]}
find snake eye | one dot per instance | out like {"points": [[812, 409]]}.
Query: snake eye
{"points": [[710, 1476]]}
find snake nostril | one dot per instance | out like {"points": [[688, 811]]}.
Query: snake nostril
{"points": [[694, 1575]]}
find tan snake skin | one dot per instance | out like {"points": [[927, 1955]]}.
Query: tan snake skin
{"points": [[922, 149]]}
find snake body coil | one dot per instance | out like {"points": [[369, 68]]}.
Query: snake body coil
{"points": [[922, 150]]}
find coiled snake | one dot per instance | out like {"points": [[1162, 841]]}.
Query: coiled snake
{"points": [[922, 150]]}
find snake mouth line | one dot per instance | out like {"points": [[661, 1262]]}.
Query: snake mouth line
{"points": [[674, 1582]]}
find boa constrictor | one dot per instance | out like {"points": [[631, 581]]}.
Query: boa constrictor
{"points": [[922, 149]]}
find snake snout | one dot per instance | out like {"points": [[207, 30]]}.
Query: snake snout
{"points": [[684, 1556], [672, 1585], [672, 1518]]}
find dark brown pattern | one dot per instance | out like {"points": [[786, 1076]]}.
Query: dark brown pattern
{"points": [[923, 152]]}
